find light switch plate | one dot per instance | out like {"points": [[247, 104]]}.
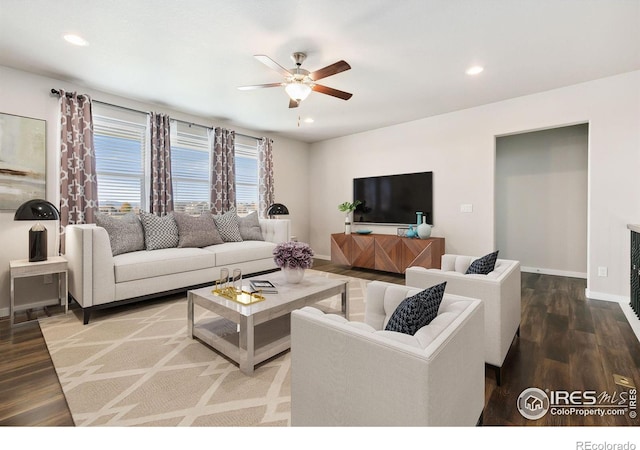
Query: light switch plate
{"points": [[466, 208]]}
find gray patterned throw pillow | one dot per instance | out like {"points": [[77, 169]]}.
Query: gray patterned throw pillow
{"points": [[250, 227], [197, 231], [484, 265], [228, 226], [417, 311], [159, 232], [125, 232]]}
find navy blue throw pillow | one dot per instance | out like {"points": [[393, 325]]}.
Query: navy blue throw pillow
{"points": [[417, 311], [484, 265]]}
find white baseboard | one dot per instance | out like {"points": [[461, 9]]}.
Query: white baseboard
{"points": [[325, 257], [559, 273], [606, 297], [4, 312], [631, 316]]}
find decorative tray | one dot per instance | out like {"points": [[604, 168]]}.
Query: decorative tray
{"points": [[244, 297]]}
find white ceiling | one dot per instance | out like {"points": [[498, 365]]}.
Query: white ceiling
{"points": [[408, 57]]}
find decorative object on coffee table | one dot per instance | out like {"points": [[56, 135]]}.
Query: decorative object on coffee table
{"points": [[348, 208], [293, 258]]}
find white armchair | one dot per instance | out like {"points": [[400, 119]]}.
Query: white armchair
{"points": [[500, 291], [356, 374]]}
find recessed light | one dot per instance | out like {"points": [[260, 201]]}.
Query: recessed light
{"points": [[308, 120], [75, 39], [474, 70]]}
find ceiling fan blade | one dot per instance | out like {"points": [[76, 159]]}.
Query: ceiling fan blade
{"points": [[270, 63], [331, 91], [333, 69], [259, 86], [293, 103]]}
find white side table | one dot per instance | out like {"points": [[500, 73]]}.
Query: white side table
{"points": [[21, 268]]}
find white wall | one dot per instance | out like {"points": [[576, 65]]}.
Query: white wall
{"points": [[541, 200], [25, 94], [459, 148]]}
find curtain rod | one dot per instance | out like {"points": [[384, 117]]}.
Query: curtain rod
{"points": [[68, 94]]}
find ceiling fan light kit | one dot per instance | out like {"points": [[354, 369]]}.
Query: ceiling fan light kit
{"points": [[298, 90], [299, 82]]}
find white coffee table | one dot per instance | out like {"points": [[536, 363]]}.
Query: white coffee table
{"points": [[251, 334]]}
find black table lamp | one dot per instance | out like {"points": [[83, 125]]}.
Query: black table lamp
{"points": [[37, 210], [277, 209]]}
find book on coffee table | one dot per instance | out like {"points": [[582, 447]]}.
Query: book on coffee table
{"points": [[264, 286]]}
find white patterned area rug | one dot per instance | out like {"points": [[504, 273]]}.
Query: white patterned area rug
{"points": [[136, 366]]}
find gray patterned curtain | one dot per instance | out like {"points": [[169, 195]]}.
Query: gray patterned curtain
{"points": [[78, 183], [223, 167], [265, 175], [161, 195]]}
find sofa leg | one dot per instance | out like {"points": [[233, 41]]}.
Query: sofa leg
{"points": [[86, 313], [480, 419]]}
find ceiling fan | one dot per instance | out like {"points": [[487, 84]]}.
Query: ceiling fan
{"points": [[299, 82]]}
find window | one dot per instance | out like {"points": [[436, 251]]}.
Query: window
{"points": [[122, 165], [190, 168], [246, 175], [120, 162]]}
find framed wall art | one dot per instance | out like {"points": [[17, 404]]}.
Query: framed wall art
{"points": [[22, 160]]}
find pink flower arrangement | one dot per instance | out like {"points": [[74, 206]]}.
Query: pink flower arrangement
{"points": [[293, 255]]}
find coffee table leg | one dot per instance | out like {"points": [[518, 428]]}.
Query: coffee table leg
{"points": [[345, 300], [246, 345], [190, 314]]}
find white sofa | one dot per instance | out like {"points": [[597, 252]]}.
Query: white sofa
{"points": [[97, 279], [500, 290], [357, 374]]}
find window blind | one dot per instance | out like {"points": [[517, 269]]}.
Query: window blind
{"points": [[120, 161], [246, 178], [190, 172]]}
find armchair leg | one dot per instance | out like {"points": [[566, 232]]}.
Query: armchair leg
{"points": [[86, 314]]}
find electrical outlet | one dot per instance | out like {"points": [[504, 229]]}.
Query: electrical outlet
{"points": [[602, 271], [48, 278]]}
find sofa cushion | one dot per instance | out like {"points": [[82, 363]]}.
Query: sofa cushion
{"points": [[228, 227], [141, 265], [484, 265], [197, 231], [417, 311], [238, 252], [250, 227], [159, 232], [457, 263], [125, 232]]}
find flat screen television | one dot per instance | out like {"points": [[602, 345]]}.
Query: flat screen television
{"points": [[394, 199]]}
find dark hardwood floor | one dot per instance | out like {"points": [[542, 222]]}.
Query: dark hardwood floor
{"points": [[567, 342]]}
